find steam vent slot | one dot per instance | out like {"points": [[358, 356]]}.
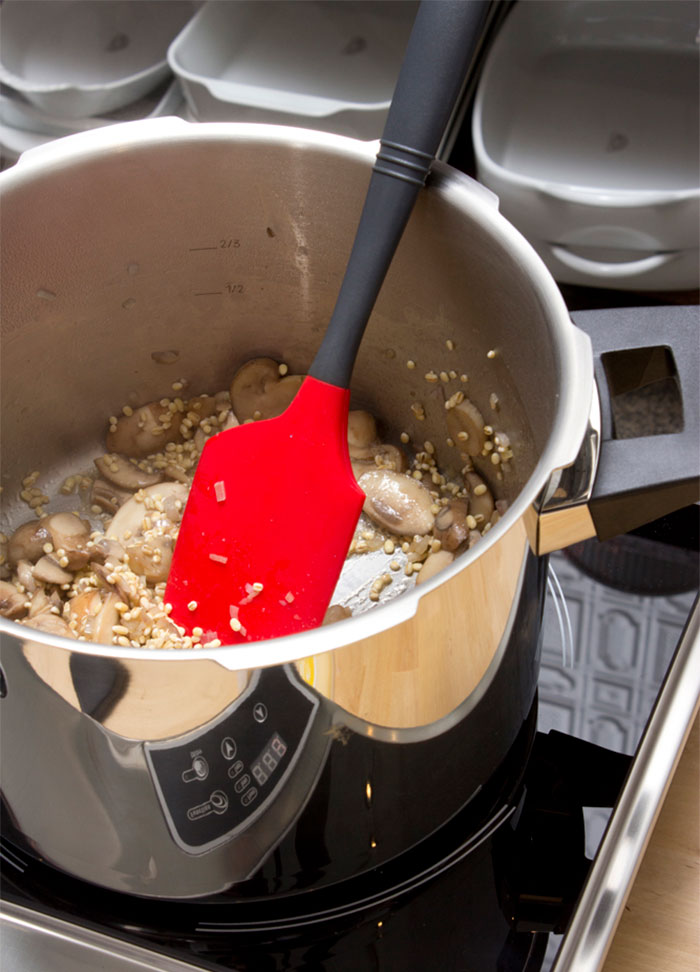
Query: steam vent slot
{"points": [[643, 382]]}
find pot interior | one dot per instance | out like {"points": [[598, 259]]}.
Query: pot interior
{"points": [[129, 268]]}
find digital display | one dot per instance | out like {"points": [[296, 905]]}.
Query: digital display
{"points": [[266, 763]]}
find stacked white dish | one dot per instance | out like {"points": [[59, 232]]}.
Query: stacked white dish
{"points": [[585, 124], [70, 65], [329, 65]]}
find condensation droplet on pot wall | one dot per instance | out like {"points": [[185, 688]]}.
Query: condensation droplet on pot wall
{"points": [[165, 357]]}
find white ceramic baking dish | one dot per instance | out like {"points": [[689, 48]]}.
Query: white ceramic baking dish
{"points": [[16, 112], [585, 124], [77, 58], [318, 64], [24, 126]]}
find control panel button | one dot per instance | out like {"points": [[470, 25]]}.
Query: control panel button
{"points": [[249, 796], [228, 748], [260, 712], [199, 770], [242, 783], [217, 803], [235, 769]]}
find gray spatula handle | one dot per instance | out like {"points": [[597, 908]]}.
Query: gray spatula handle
{"points": [[442, 44]]}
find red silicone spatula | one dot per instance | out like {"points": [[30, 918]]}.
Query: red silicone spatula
{"points": [[267, 526]]}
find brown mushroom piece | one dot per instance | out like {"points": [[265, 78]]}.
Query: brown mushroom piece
{"points": [[69, 535], [39, 603], [383, 455], [481, 502], [107, 497], [94, 614], [336, 612], [27, 541], [146, 431], [12, 601], [123, 583], [434, 564], [25, 575], [129, 519], [362, 466], [258, 391], [500, 508], [106, 551], [451, 524], [151, 559], [397, 502], [50, 623], [465, 425], [362, 432], [48, 571], [124, 473], [202, 405]]}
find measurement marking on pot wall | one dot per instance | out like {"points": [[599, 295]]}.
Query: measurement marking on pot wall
{"points": [[226, 244], [230, 288]]}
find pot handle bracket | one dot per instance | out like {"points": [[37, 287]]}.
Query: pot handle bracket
{"points": [[639, 479]]}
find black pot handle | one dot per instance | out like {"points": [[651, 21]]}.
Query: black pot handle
{"points": [[641, 479]]}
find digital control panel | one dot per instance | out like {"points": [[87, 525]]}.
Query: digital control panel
{"points": [[213, 783]]}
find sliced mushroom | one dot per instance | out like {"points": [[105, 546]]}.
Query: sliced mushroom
{"points": [[12, 601], [397, 502], [362, 432], [480, 497], [146, 431], [258, 390], [173, 500], [128, 522], [115, 582], [222, 402], [48, 571], [107, 497], [151, 559], [336, 612], [229, 423], [94, 614], [465, 424], [248, 385], [381, 454], [451, 524], [125, 474], [175, 472], [50, 624], [69, 536], [39, 603], [501, 507], [27, 542], [25, 576], [107, 551], [434, 564], [362, 466], [203, 406], [474, 537]]}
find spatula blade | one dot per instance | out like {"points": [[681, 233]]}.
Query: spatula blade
{"points": [[268, 523]]}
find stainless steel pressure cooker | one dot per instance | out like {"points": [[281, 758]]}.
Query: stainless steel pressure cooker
{"points": [[142, 252]]}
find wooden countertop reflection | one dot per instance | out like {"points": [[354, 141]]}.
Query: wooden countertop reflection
{"points": [[660, 928]]}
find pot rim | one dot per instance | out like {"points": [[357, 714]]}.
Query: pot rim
{"points": [[573, 353]]}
